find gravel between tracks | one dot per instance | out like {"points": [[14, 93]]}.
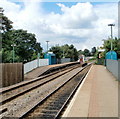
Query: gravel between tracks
{"points": [[21, 89], [20, 105]]}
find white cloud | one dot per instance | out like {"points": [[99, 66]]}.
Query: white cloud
{"points": [[83, 24], [80, 15], [11, 9]]}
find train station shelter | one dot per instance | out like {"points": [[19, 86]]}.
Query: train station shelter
{"points": [[51, 56]]}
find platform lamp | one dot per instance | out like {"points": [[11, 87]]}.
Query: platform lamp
{"points": [[13, 45], [47, 45], [111, 25]]}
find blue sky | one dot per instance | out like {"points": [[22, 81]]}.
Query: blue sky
{"points": [[72, 0], [52, 7], [82, 24], [49, 7]]}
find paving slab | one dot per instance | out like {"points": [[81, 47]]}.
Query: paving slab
{"points": [[96, 97]]}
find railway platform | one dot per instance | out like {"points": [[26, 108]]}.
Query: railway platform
{"points": [[96, 97], [46, 69]]}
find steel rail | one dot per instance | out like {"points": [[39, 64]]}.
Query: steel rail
{"points": [[49, 95], [3, 110], [15, 86], [32, 88], [70, 96]]}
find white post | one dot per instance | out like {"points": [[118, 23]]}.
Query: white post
{"points": [[38, 60]]}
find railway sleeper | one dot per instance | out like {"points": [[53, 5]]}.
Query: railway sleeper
{"points": [[57, 104], [46, 115], [60, 99], [49, 111], [42, 117], [53, 108], [3, 110], [50, 107], [60, 102]]}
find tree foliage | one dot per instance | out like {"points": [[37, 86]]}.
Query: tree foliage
{"points": [[93, 51], [57, 51], [26, 48], [5, 23], [26, 45], [86, 52], [70, 52], [80, 52], [116, 46], [65, 51]]}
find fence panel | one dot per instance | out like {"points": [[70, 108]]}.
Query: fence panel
{"points": [[12, 73], [65, 60], [114, 67], [43, 62], [34, 64], [119, 70]]}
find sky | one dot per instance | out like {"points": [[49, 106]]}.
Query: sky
{"points": [[83, 24]]}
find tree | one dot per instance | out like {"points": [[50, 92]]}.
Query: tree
{"points": [[26, 48], [57, 51], [116, 46], [93, 51], [80, 52], [70, 52], [6, 24], [26, 45], [65, 51], [86, 52]]}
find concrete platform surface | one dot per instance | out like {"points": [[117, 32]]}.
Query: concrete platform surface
{"points": [[96, 97], [38, 71]]}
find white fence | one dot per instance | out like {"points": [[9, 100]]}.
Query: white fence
{"points": [[34, 64], [65, 60]]}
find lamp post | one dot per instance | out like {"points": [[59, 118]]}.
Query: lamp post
{"points": [[38, 57], [13, 45], [47, 45], [63, 54], [111, 25]]}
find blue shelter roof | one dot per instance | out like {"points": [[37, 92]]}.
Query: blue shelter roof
{"points": [[111, 55]]}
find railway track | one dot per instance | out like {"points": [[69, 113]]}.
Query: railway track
{"points": [[24, 104], [18, 90], [15, 92], [52, 105]]}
